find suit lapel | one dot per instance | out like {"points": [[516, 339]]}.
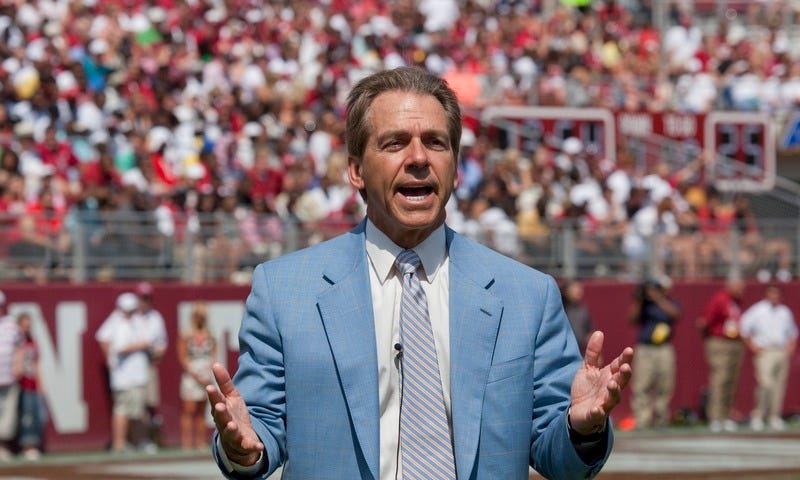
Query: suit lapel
{"points": [[346, 312], [474, 321]]}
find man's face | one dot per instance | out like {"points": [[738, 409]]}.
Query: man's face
{"points": [[773, 296], [408, 170]]}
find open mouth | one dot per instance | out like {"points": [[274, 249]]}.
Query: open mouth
{"points": [[416, 193]]}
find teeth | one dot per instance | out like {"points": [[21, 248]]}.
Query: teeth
{"points": [[419, 197]]}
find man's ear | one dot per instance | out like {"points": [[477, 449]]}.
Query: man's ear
{"points": [[354, 172]]}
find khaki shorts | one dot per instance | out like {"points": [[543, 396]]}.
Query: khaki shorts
{"points": [[9, 409], [130, 402]]}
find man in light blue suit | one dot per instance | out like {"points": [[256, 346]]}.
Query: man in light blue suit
{"points": [[325, 380]]}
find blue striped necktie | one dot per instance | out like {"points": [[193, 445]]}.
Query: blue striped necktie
{"points": [[427, 452]]}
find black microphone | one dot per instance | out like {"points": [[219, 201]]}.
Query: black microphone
{"points": [[398, 357]]}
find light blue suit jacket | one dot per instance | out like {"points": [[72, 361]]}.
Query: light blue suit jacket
{"points": [[308, 365]]}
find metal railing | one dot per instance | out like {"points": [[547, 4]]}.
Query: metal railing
{"points": [[93, 246]]}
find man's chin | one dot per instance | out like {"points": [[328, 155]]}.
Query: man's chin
{"points": [[420, 220]]}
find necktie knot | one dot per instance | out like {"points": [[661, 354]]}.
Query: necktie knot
{"points": [[407, 261]]}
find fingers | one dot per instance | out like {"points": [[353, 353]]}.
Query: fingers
{"points": [[219, 410], [623, 376], [614, 394], [620, 376], [223, 379], [218, 397], [237, 439], [594, 349], [624, 358]]}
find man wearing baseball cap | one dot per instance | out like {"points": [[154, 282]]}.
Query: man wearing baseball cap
{"points": [[125, 344]]}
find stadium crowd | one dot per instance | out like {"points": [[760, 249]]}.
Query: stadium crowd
{"points": [[225, 117]]}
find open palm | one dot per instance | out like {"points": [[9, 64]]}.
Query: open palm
{"points": [[238, 439], [597, 389]]}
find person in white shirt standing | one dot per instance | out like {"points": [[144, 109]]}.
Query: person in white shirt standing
{"points": [[769, 330], [125, 343], [157, 336]]}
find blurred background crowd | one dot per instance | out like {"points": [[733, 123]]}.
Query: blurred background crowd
{"points": [[223, 120]]}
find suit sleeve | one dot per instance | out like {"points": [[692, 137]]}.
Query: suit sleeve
{"points": [[556, 361], [260, 375]]}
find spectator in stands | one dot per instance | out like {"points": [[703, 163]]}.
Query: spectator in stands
{"points": [[342, 205], [265, 178], [32, 410], [609, 221], [790, 87], [9, 165], [262, 231], [30, 163], [100, 179], [531, 219], [12, 200], [757, 251], [153, 322], [720, 327], [197, 350], [125, 343], [470, 170], [653, 227], [770, 332], [10, 340], [42, 236], [491, 225], [226, 246], [681, 41], [696, 87], [58, 155], [654, 313], [715, 221], [323, 141], [621, 179]]}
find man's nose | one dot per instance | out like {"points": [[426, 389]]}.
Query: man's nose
{"points": [[418, 154]]}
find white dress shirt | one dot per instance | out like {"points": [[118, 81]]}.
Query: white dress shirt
{"points": [[386, 289], [768, 325]]}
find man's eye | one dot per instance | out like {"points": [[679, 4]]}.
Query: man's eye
{"points": [[437, 143]]}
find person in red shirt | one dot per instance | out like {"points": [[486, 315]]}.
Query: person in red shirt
{"points": [[40, 236], [32, 413], [724, 351], [58, 154], [101, 179], [264, 179]]}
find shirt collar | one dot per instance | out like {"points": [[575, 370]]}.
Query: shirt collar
{"points": [[382, 252]]}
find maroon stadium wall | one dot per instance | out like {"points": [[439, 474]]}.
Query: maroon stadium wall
{"points": [[608, 302], [66, 318]]}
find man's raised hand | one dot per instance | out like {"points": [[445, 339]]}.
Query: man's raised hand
{"points": [[597, 389], [240, 442]]}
